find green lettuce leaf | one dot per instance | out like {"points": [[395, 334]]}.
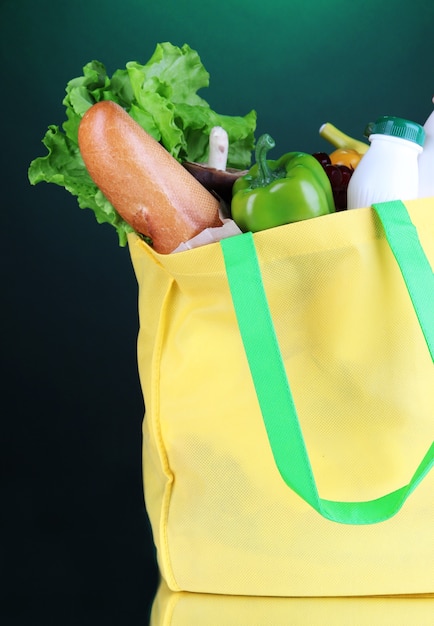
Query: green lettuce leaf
{"points": [[162, 97]]}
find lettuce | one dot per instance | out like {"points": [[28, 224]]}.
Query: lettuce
{"points": [[162, 97]]}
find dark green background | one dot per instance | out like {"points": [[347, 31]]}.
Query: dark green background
{"points": [[76, 547]]}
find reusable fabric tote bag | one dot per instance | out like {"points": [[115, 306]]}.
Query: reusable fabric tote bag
{"points": [[181, 608], [289, 389]]}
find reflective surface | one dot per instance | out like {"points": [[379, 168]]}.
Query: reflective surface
{"points": [[188, 609]]}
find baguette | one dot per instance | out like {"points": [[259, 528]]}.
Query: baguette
{"points": [[148, 187]]}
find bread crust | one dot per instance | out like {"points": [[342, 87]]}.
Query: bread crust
{"points": [[148, 187]]}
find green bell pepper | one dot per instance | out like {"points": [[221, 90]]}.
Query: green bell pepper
{"points": [[272, 193]]}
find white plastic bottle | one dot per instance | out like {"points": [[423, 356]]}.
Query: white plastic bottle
{"points": [[389, 169], [426, 160]]}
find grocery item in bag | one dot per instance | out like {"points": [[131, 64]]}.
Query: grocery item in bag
{"points": [[426, 160], [389, 169]]}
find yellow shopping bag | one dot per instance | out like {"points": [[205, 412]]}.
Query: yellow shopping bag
{"points": [[182, 608], [289, 387]]}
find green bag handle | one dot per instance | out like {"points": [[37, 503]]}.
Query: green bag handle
{"points": [[269, 376]]}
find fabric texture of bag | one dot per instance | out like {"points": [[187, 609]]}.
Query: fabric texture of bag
{"points": [[346, 507], [182, 608]]}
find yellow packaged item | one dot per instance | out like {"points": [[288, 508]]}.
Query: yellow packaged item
{"points": [[288, 381]]}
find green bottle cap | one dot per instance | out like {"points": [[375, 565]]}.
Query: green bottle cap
{"points": [[398, 127]]}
